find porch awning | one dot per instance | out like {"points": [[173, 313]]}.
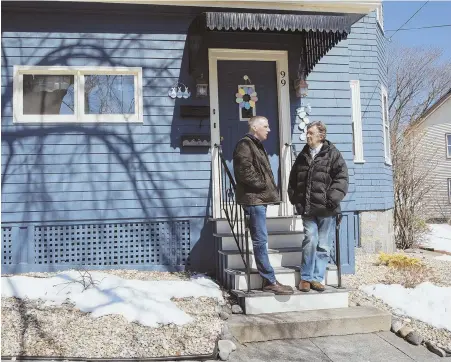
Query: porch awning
{"points": [[318, 33], [280, 22]]}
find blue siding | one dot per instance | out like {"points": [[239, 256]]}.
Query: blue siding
{"points": [[119, 172], [368, 63]]}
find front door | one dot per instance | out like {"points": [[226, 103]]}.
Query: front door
{"points": [[241, 87], [247, 88]]}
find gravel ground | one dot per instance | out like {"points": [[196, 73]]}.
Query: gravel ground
{"points": [[369, 273], [30, 328]]}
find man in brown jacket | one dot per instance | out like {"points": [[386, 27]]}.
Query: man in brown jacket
{"points": [[255, 190]]}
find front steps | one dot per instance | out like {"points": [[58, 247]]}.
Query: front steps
{"points": [[258, 302], [301, 315], [288, 275], [308, 324]]}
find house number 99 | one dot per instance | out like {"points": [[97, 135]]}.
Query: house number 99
{"points": [[283, 81]]}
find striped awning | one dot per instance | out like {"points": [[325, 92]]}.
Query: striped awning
{"points": [[280, 22], [318, 33]]}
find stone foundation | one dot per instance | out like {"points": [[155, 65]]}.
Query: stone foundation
{"points": [[377, 231]]}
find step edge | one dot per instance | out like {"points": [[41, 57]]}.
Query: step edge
{"points": [[281, 270], [273, 318], [275, 233], [329, 290], [270, 251]]}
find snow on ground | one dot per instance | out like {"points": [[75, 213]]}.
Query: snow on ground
{"points": [[146, 302], [443, 257], [425, 302], [439, 238]]}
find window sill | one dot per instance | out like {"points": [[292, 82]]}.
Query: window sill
{"points": [[359, 161]]}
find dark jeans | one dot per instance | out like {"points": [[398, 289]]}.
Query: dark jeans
{"points": [[259, 236]]}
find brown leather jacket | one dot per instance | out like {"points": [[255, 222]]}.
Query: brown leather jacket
{"points": [[253, 174]]}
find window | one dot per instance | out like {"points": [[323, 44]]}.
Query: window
{"points": [[77, 94], [448, 145], [386, 126], [357, 137]]}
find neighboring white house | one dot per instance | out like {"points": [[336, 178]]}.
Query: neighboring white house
{"points": [[435, 149]]}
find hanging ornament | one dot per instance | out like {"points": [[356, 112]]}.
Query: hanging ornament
{"points": [[301, 117], [246, 97], [176, 91]]}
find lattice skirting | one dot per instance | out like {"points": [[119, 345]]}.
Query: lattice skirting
{"points": [[150, 245]]}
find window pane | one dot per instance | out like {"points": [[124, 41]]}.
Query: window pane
{"points": [[387, 121], [109, 94], [448, 144], [48, 94]]}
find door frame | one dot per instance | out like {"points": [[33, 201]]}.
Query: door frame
{"points": [[283, 101]]}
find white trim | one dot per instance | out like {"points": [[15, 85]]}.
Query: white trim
{"points": [[380, 16], [357, 121], [283, 96], [386, 125], [79, 116], [448, 145], [346, 6]]}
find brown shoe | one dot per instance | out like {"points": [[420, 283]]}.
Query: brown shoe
{"points": [[276, 288], [304, 286], [317, 286]]}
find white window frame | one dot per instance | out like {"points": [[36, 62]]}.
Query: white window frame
{"points": [[79, 116], [386, 125], [357, 121], [447, 145]]}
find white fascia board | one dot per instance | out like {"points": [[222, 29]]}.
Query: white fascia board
{"points": [[347, 6]]}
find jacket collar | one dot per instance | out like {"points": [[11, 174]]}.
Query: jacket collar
{"points": [[327, 145]]}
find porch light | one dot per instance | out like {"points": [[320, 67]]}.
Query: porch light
{"points": [[201, 87], [301, 87]]}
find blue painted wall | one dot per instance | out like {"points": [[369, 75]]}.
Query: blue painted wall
{"points": [[106, 173]]}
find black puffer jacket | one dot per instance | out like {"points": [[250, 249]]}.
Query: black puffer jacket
{"points": [[317, 186], [253, 174]]}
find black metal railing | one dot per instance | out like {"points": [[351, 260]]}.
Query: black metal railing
{"points": [[234, 213], [338, 219]]}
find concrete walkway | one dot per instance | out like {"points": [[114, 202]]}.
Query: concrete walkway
{"points": [[373, 347]]}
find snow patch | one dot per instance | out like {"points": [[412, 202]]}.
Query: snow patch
{"points": [[426, 302], [146, 302], [439, 238], [443, 257]]}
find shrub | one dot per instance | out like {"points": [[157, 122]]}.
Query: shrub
{"points": [[398, 261], [405, 270]]}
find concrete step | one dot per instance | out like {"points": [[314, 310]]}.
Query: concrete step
{"points": [[276, 239], [289, 275], [277, 257], [258, 302], [309, 324], [279, 223]]}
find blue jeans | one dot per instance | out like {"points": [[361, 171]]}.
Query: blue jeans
{"points": [[259, 236], [318, 232]]}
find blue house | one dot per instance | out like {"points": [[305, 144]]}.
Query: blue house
{"points": [[115, 116]]}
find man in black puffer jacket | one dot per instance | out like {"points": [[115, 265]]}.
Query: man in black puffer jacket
{"points": [[255, 190], [318, 182]]}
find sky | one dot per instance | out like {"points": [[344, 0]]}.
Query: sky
{"points": [[433, 13]]}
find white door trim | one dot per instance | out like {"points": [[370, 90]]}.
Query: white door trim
{"points": [[283, 96]]}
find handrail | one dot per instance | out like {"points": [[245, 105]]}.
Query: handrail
{"points": [[338, 219], [234, 213]]}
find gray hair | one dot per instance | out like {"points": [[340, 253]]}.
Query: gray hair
{"points": [[320, 126], [255, 120]]}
